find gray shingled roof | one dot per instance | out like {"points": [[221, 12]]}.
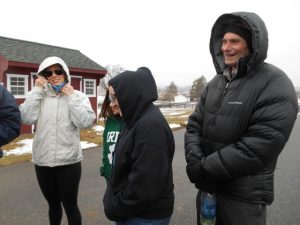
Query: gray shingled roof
{"points": [[32, 52]]}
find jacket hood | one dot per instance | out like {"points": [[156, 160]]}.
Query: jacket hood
{"points": [[135, 90], [52, 61], [259, 37]]}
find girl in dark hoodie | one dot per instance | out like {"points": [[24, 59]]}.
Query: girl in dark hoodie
{"points": [[141, 186]]}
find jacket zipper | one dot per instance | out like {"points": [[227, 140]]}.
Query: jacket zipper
{"points": [[56, 121], [225, 91], [212, 123], [226, 88]]}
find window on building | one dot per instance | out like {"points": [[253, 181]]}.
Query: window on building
{"points": [[17, 85], [90, 87]]}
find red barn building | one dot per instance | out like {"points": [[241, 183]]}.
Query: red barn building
{"points": [[19, 61]]}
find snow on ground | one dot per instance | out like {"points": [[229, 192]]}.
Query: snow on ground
{"points": [[173, 125], [27, 147]]}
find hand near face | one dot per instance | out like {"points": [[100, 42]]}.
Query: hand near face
{"points": [[67, 89], [40, 81]]}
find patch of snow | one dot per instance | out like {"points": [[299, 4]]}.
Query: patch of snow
{"points": [[98, 128], [27, 147], [174, 125]]}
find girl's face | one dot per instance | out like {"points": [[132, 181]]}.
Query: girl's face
{"points": [[54, 74], [114, 104]]}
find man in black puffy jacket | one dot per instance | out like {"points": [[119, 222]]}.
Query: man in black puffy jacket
{"points": [[10, 118], [241, 123]]}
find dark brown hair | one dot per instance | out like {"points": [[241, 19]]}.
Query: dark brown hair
{"points": [[105, 109]]}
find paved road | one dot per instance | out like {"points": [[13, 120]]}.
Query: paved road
{"points": [[21, 202]]}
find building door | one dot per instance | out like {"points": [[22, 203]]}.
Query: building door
{"points": [[76, 82]]}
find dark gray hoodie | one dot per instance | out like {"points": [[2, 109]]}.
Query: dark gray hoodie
{"points": [[141, 184]]}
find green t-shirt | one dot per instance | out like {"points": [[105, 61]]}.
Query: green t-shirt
{"points": [[110, 138]]}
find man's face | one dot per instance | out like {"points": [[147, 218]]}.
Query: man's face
{"points": [[234, 47]]}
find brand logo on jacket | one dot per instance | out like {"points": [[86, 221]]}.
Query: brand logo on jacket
{"points": [[235, 103]]}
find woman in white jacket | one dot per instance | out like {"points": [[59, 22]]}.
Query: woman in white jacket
{"points": [[58, 112]]}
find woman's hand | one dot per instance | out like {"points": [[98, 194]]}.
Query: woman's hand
{"points": [[40, 81], [67, 89]]}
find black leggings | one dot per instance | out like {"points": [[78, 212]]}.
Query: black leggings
{"points": [[60, 185]]}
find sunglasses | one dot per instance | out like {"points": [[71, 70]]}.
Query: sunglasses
{"points": [[49, 73], [112, 98]]}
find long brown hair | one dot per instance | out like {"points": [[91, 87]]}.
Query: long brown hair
{"points": [[105, 109]]}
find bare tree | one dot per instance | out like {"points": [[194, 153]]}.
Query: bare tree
{"points": [[171, 92], [112, 70]]}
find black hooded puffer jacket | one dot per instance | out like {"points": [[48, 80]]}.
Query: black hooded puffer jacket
{"points": [[240, 126]]}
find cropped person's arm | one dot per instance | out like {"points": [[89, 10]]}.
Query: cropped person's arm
{"points": [[10, 119]]}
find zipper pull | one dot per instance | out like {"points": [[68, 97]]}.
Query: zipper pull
{"points": [[226, 88]]}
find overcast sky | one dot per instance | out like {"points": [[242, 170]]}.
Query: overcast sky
{"points": [[171, 37]]}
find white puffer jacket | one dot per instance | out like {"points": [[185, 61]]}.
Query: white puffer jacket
{"points": [[58, 120]]}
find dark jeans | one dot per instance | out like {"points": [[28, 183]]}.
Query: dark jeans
{"points": [[234, 212], [60, 185]]}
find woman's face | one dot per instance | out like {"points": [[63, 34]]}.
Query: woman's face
{"points": [[54, 74], [114, 104]]}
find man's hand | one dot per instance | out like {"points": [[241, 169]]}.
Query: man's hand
{"points": [[195, 172], [194, 168], [206, 186]]}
